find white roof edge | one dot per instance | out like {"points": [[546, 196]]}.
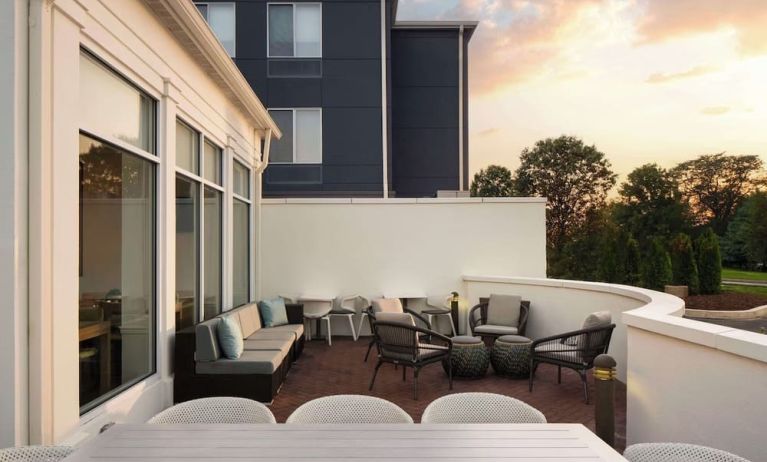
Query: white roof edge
{"points": [[404, 200], [190, 22], [436, 24]]}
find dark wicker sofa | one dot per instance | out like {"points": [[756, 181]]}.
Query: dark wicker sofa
{"points": [[201, 370]]}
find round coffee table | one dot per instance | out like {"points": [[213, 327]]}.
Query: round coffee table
{"points": [[511, 356], [470, 358]]}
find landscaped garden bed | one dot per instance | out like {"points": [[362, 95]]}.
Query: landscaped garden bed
{"points": [[728, 300]]}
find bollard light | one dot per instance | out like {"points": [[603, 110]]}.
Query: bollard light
{"points": [[604, 373]]}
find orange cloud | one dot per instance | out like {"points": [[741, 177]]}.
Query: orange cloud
{"points": [[715, 110], [668, 19], [694, 72], [529, 42]]}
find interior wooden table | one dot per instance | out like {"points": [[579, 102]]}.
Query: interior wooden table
{"points": [[358, 442]]}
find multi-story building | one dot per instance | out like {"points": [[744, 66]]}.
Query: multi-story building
{"points": [[369, 106]]}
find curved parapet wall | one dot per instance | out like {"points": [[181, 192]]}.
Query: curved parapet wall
{"points": [[687, 380]]}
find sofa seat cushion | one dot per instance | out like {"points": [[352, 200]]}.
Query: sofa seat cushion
{"points": [[269, 345], [251, 362], [271, 334], [296, 329], [495, 330]]}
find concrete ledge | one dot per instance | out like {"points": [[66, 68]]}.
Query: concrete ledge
{"points": [[395, 201], [753, 313], [662, 314]]}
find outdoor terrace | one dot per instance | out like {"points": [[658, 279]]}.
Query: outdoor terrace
{"points": [[326, 370]]}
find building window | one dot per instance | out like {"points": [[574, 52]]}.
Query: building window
{"points": [[241, 235], [117, 241], [221, 18], [295, 30], [199, 225], [301, 141]]}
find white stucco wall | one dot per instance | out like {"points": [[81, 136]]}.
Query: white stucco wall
{"points": [[558, 306], [396, 247], [13, 226], [190, 78]]}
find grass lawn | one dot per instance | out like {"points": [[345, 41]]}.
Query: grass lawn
{"points": [[729, 273], [745, 289]]}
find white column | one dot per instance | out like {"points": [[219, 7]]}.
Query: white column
{"points": [[13, 222]]}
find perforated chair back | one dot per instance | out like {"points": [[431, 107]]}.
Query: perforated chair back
{"points": [[219, 410], [35, 453], [677, 452], [480, 408], [349, 409]]}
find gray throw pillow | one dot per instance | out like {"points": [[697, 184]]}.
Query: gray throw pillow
{"points": [[504, 310]]}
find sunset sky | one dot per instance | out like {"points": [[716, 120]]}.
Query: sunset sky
{"points": [[644, 80]]}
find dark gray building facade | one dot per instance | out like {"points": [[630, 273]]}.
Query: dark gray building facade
{"points": [[353, 125]]}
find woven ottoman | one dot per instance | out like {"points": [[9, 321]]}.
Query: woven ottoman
{"points": [[470, 358], [511, 356]]}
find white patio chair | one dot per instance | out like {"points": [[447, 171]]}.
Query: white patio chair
{"points": [[677, 452], [349, 409], [347, 307], [431, 308], [219, 410], [35, 453], [317, 309], [480, 408]]}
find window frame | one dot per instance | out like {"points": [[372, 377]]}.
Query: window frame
{"points": [[295, 134], [293, 6], [203, 182], [234, 22], [156, 162]]}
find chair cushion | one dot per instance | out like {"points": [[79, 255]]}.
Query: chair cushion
{"points": [[251, 362], [250, 321], [466, 340], [206, 341], [274, 312], [269, 345], [598, 319], [387, 305], [403, 318], [296, 329], [503, 310], [513, 339], [230, 336], [495, 330], [560, 352]]}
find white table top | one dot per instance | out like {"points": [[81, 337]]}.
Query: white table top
{"points": [[403, 442]]}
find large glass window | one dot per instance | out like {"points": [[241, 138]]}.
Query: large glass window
{"points": [[114, 108], [212, 218], [117, 270], [187, 251], [241, 236], [221, 19], [295, 30], [301, 141], [199, 227]]}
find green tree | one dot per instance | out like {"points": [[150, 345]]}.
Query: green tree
{"points": [[650, 204], [715, 185], [633, 265], [656, 266], [573, 176], [683, 267], [709, 262], [745, 244], [615, 259], [494, 181]]}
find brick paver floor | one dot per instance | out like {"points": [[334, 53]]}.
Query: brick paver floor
{"points": [[339, 369]]}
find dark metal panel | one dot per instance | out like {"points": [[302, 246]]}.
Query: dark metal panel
{"points": [[352, 83], [351, 30], [351, 136], [423, 152], [428, 107], [289, 93], [251, 29], [424, 58]]}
